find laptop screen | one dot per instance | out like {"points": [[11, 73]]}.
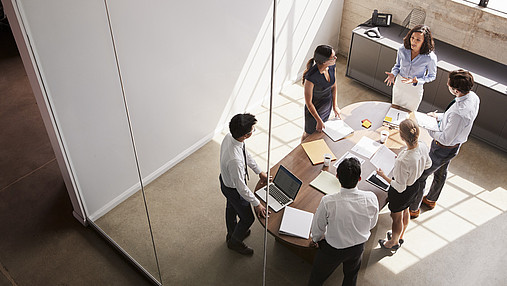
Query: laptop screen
{"points": [[287, 182]]}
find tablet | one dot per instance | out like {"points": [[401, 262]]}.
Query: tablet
{"points": [[377, 181]]}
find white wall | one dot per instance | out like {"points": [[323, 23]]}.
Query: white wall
{"points": [[72, 47], [187, 67]]}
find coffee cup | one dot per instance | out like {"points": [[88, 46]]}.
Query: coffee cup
{"points": [[383, 136], [327, 159]]}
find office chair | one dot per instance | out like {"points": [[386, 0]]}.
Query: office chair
{"points": [[414, 18]]}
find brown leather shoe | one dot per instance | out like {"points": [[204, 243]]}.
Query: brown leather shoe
{"points": [[414, 214], [239, 247], [430, 204]]}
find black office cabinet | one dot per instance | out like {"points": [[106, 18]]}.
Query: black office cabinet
{"points": [[490, 122], [386, 60], [363, 58], [434, 93]]}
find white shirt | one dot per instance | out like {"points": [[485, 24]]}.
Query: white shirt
{"points": [[232, 167], [409, 166], [345, 218], [456, 123]]}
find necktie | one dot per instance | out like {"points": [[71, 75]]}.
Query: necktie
{"points": [[246, 165], [450, 104]]}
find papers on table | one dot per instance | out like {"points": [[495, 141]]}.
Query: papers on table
{"points": [[366, 147], [316, 150], [426, 121], [384, 159], [326, 183], [395, 116], [346, 156], [336, 129], [296, 222]]}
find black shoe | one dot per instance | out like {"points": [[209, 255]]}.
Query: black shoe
{"points": [[390, 235], [394, 248], [228, 236], [239, 247]]}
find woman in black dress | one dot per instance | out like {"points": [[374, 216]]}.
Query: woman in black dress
{"points": [[320, 89]]}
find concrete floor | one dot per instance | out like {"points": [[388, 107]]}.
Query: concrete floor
{"points": [[461, 242]]}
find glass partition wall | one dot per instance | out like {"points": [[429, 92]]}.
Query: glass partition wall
{"points": [[142, 101]]}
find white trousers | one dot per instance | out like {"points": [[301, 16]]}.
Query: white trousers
{"points": [[407, 95]]}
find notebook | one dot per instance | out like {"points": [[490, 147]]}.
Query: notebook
{"points": [[296, 222], [283, 189], [395, 116], [326, 183], [316, 150], [378, 181]]}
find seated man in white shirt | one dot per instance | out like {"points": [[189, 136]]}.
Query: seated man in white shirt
{"points": [[341, 225], [455, 125], [234, 159]]}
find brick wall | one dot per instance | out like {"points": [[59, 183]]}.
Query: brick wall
{"points": [[454, 22]]}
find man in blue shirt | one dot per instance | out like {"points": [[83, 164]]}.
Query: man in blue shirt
{"points": [[455, 125]]}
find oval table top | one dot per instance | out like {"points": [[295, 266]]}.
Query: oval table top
{"points": [[300, 165]]}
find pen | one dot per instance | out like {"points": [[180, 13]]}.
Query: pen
{"points": [[397, 116]]}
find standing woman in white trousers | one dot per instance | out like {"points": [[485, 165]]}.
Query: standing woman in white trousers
{"points": [[416, 64]]}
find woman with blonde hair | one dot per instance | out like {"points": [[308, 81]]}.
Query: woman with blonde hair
{"points": [[408, 168]]}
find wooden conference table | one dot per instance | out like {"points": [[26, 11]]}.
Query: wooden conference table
{"points": [[297, 162]]}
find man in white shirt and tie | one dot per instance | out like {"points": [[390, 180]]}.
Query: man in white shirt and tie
{"points": [[455, 125], [234, 159], [341, 225]]}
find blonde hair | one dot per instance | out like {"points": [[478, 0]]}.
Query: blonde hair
{"points": [[409, 131]]}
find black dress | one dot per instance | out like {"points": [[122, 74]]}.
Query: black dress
{"points": [[322, 97]]}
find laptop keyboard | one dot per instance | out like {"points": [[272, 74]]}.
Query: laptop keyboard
{"points": [[278, 195]]}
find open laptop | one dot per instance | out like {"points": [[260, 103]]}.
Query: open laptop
{"points": [[283, 189]]}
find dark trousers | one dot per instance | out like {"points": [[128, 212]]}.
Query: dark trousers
{"points": [[329, 258], [236, 207], [440, 159]]}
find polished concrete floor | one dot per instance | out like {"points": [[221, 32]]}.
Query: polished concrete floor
{"points": [[461, 242]]}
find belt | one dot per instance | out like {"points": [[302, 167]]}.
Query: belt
{"points": [[449, 147]]}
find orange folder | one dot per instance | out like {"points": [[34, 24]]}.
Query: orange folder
{"points": [[316, 150]]}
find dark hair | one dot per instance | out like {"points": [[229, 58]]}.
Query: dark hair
{"points": [[321, 55], [349, 172], [409, 131], [461, 80], [428, 44], [241, 124]]}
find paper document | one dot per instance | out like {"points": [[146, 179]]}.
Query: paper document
{"points": [[326, 183], [427, 122], [316, 150], [366, 147], [296, 222], [395, 116], [384, 159], [346, 156], [336, 129]]}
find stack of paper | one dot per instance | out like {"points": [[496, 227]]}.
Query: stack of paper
{"points": [[426, 121], [326, 183], [395, 116], [346, 156], [384, 159], [336, 129], [366, 147], [296, 222], [316, 150]]}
